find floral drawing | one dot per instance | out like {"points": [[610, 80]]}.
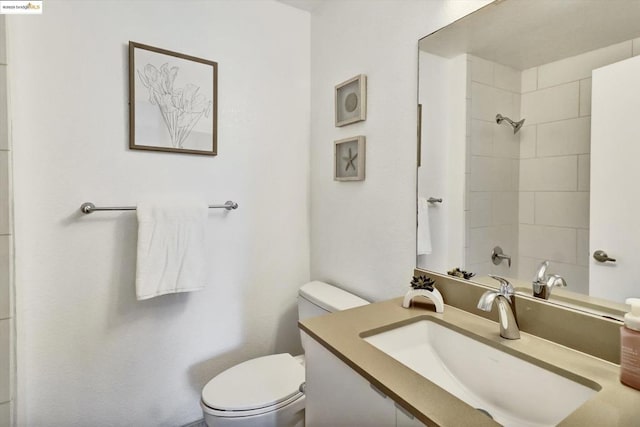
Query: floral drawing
{"points": [[181, 108]]}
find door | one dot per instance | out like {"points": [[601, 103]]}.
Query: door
{"points": [[615, 180]]}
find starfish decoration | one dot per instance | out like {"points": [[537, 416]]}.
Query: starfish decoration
{"points": [[350, 160], [422, 282]]}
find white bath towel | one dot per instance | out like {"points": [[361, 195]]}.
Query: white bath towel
{"points": [[424, 230], [171, 246]]}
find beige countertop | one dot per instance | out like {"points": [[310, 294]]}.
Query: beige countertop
{"points": [[613, 405]]}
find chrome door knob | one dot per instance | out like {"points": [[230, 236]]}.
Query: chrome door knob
{"points": [[601, 256]]}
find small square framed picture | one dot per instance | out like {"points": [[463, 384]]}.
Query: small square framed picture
{"points": [[351, 101], [349, 159]]}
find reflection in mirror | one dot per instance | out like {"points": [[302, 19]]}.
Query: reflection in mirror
{"points": [[554, 187]]}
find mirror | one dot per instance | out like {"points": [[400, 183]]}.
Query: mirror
{"points": [[555, 187]]}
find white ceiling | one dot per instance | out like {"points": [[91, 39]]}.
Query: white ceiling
{"points": [[527, 33]]}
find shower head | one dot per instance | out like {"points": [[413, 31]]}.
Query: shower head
{"points": [[516, 125]]}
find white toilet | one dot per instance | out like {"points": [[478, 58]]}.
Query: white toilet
{"points": [[266, 392]]}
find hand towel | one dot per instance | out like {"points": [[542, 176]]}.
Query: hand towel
{"points": [[424, 230], [171, 246]]}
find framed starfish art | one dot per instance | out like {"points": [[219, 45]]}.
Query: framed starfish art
{"points": [[349, 159]]}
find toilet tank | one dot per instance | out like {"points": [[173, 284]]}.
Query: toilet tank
{"points": [[318, 298]]}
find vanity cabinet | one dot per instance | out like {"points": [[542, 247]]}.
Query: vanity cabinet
{"points": [[336, 395]]}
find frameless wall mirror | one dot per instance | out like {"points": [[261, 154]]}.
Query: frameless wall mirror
{"points": [[529, 136]]}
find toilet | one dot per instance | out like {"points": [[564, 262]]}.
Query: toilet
{"points": [[268, 391]]}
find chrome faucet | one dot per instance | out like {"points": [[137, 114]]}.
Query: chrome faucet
{"points": [[504, 299], [543, 283]]}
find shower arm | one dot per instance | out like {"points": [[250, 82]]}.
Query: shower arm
{"points": [[500, 118], [515, 125]]}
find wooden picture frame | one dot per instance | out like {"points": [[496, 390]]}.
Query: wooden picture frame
{"points": [[173, 101], [351, 101], [349, 159]]}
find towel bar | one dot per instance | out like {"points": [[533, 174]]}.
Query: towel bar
{"points": [[89, 207]]}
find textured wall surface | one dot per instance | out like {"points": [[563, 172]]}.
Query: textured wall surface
{"points": [[6, 243], [363, 234], [554, 206], [89, 353], [493, 153]]}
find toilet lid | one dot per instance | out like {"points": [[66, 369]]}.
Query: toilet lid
{"points": [[256, 383]]}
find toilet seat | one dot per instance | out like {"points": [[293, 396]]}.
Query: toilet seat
{"points": [[254, 387]]}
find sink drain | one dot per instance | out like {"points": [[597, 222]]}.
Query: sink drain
{"points": [[484, 412]]}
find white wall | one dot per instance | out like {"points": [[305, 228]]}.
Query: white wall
{"points": [[363, 233], [89, 353], [442, 93], [6, 243]]}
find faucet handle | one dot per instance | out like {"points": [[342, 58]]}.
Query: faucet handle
{"points": [[541, 273], [506, 288], [497, 255], [556, 280]]}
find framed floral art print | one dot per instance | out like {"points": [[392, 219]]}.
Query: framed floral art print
{"points": [[172, 101]]}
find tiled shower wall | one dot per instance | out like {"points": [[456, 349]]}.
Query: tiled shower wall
{"points": [[555, 164], [535, 207], [492, 166], [6, 295]]}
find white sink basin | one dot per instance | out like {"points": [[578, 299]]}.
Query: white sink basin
{"points": [[513, 391]]}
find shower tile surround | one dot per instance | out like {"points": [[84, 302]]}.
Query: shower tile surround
{"points": [[493, 172], [534, 199], [6, 295]]}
